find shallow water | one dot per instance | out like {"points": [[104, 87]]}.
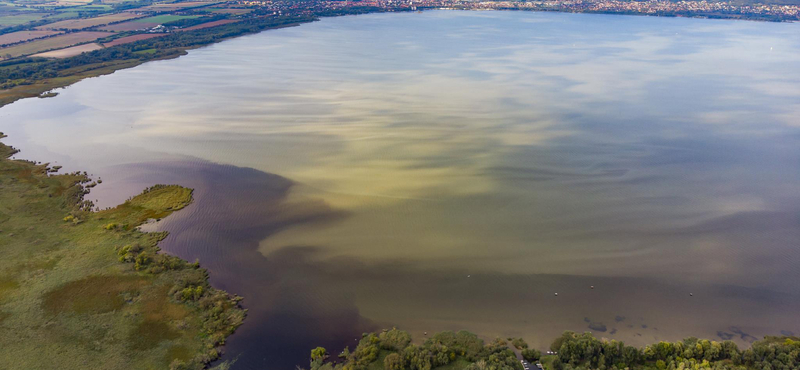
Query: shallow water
{"points": [[454, 170]]}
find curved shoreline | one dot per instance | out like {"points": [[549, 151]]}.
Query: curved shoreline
{"points": [[86, 288]]}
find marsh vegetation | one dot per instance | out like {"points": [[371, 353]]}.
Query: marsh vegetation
{"points": [[81, 288]]}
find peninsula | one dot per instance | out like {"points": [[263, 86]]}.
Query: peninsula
{"points": [[84, 288]]}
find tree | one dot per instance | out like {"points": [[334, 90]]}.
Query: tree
{"points": [[531, 355], [394, 339], [393, 362], [519, 343], [318, 353]]}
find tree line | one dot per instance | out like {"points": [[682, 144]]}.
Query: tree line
{"points": [[394, 350], [584, 352]]}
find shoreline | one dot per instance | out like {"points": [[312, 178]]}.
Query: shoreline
{"points": [[44, 88], [108, 280]]}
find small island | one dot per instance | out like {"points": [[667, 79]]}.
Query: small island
{"points": [[82, 288]]}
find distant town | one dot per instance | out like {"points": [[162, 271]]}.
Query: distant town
{"points": [[700, 9]]}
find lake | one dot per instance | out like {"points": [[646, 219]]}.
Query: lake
{"points": [[452, 170]]}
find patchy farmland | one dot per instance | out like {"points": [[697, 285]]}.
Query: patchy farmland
{"points": [[136, 25], [79, 24], [207, 25], [20, 36], [133, 38], [50, 43], [70, 51]]}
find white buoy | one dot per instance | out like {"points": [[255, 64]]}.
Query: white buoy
{"points": [[691, 295], [556, 294]]}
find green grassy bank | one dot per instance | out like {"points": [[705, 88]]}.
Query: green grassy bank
{"points": [[84, 289]]}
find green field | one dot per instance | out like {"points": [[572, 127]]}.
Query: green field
{"points": [[93, 8], [84, 289], [62, 15], [18, 19], [165, 18]]}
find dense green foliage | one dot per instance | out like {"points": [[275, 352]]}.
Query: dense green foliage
{"points": [[393, 350], [584, 351], [531, 355]]}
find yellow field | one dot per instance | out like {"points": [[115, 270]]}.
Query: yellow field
{"points": [[78, 24], [51, 43], [70, 51]]}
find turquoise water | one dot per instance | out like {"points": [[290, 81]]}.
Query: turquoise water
{"points": [[453, 170]]}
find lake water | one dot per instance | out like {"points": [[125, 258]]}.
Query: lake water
{"points": [[454, 170]]}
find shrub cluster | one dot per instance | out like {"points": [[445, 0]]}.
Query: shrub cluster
{"points": [[439, 350], [584, 351]]}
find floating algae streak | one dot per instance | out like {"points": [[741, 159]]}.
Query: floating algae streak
{"points": [[452, 170]]}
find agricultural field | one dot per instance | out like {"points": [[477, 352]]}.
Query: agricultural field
{"points": [[235, 11], [63, 15], [51, 43], [208, 25], [178, 6], [133, 38], [128, 26], [94, 8], [14, 37], [20, 18], [70, 51], [78, 24], [59, 3], [166, 18]]}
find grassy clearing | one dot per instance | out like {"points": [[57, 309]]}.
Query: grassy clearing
{"points": [[85, 289]]}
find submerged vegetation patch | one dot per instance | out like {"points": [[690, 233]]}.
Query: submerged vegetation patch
{"points": [[81, 288]]}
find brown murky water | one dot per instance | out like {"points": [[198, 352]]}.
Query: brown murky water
{"points": [[454, 170]]}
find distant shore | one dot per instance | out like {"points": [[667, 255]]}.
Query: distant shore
{"points": [[25, 77]]}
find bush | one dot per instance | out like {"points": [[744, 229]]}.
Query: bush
{"points": [[531, 355], [519, 343]]}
